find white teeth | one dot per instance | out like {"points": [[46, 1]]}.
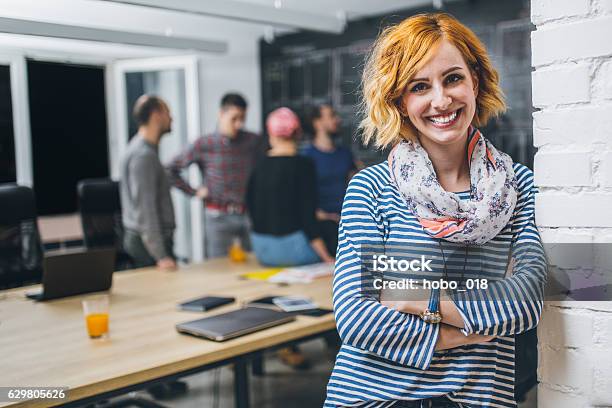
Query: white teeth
{"points": [[444, 119]]}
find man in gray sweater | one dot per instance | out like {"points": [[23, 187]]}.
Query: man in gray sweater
{"points": [[148, 214]]}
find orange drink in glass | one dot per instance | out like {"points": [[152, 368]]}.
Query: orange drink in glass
{"points": [[96, 316], [236, 253]]}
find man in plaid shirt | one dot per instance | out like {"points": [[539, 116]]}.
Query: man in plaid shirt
{"points": [[226, 158]]}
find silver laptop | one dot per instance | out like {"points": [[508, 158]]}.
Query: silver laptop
{"points": [[229, 325], [75, 272]]}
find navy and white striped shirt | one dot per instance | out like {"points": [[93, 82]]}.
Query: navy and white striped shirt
{"points": [[388, 356]]}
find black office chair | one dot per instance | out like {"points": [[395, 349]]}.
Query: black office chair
{"points": [[100, 209], [21, 251]]}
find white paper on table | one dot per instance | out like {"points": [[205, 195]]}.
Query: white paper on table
{"points": [[303, 274]]}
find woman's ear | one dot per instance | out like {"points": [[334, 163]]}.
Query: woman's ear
{"points": [[401, 105], [475, 82]]}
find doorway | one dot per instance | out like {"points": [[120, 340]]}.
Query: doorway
{"points": [[174, 79]]}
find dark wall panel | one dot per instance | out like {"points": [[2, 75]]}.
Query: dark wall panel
{"points": [[7, 138], [69, 131]]}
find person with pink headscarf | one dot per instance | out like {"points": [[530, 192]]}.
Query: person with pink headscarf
{"points": [[281, 203], [282, 199]]}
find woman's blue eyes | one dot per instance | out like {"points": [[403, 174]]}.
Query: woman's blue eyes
{"points": [[421, 86], [453, 78]]}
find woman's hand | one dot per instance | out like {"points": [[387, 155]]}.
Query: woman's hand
{"points": [[414, 307], [329, 260], [451, 337], [448, 310], [167, 264], [202, 193], [325, 216], [318, 246]]}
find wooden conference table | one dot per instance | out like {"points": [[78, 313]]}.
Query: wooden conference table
{"points": [[45, 344]]}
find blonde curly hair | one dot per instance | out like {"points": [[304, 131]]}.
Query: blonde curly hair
{"points": [[398, 53]]}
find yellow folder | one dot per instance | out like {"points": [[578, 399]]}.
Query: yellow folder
{"points": [[262, 274]]}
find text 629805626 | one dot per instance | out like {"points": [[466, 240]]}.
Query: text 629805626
{"points": [[11, 394]]}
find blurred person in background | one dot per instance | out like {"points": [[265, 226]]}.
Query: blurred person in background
{"points": [[147, 211], [334, 166], [282, 199], [225, 158]]}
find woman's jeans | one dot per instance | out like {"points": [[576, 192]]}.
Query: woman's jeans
{"points": [[284, 250]]}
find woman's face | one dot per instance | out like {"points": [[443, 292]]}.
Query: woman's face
{"points": [[441, 99]]}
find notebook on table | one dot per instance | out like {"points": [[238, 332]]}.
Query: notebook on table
{"points": [[206, 303], [233, 324]]}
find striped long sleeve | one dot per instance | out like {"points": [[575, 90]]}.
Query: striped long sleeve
{"points": [[512, 305], [388, 356], [362, 321]]}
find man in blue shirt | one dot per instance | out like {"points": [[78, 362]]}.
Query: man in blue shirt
{"points": [[334, 165]]}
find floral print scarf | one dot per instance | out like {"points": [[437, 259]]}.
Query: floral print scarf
{"points": [[443, 214]]}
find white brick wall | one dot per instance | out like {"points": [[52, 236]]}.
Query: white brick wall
{"points": [[574, 365], [563, 169], [572, 87], [563, 398], [606, 169], [560, 42], [566, 328], [568, 209], [545, 10], [606, 6], [582, 125], [603, 82], [547, 92]]}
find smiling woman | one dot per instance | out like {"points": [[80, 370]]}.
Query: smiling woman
{"points": [[444, 190], [443, 97], [394, 71]]}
